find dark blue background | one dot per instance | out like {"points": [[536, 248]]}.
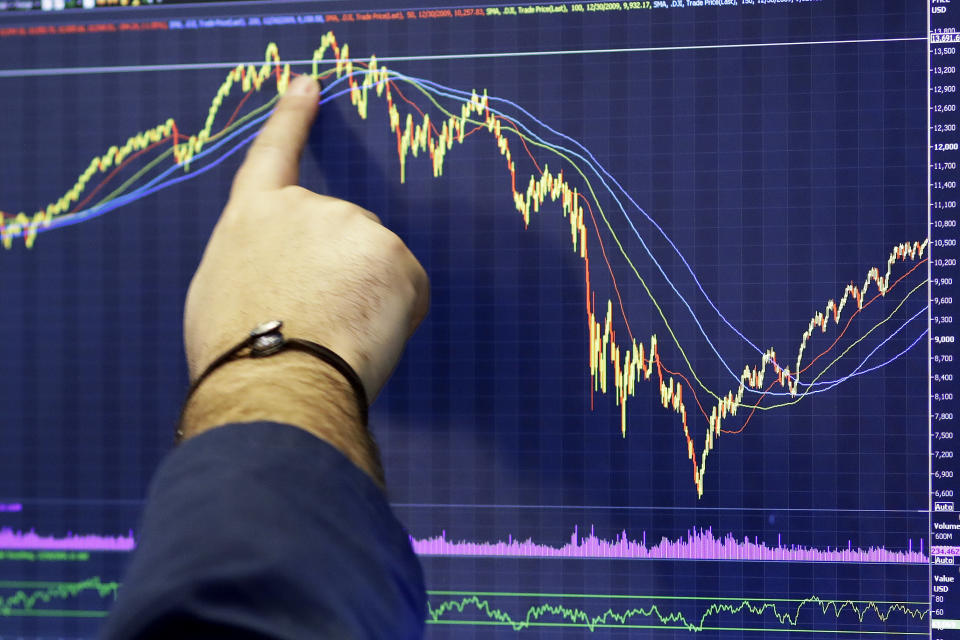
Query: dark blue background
{"points": [[782, 173]]}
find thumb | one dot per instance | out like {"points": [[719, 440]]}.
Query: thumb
{"points": [[273, 160]]}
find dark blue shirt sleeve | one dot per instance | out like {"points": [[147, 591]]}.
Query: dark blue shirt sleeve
{"points": [[262, 530]]}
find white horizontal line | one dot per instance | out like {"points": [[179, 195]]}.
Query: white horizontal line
{"points": [[191, 66]]}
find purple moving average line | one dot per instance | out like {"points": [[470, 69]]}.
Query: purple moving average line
{"points": [[31, 540], [698, 545]]}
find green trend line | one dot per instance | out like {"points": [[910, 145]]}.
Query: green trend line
{"points": [[29, 594], [623, 252], [786, 611], [169, 152]]}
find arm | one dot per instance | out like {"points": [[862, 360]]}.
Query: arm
{"points": [[270, 520], [262, 530], [292, 388]]}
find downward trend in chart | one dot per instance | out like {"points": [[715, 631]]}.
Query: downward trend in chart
{"points": [[693, 614], [617, 363], [698, 544]]}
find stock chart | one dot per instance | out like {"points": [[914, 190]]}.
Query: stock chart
{"points": [[687, 370]]}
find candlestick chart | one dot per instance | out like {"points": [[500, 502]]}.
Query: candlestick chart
{"points": [[674, 367], [617, 366]]}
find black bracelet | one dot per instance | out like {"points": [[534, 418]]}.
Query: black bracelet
{"points": [[266, 340]]}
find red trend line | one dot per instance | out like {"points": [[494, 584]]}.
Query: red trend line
{"points": [[770, 386], [591, 299], [627, 322], [176, 135], [825, 351], [116, 170], [630, 364]]}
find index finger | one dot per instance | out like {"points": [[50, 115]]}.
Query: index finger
{"points": [[273, 160]]}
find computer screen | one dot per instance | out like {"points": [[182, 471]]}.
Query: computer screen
{"points": [[688, 370]]}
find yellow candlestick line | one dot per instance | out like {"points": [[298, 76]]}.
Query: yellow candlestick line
{"points": [[627, 363]]}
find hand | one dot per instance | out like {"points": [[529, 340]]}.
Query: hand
{"points": [[324, 266]]}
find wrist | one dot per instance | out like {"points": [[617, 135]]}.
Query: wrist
{"points": [[293, 388]]}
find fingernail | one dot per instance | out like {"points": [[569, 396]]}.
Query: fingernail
{"points": [[304, 85]]}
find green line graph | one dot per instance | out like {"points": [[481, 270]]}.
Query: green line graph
{"points": [[534, 610], [675, 613], [29, 597]]}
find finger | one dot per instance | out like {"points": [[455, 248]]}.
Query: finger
{"points": [[273, 160]]}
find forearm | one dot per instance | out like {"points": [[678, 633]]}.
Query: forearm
{"points": [[263, 530], [291, 388]]}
